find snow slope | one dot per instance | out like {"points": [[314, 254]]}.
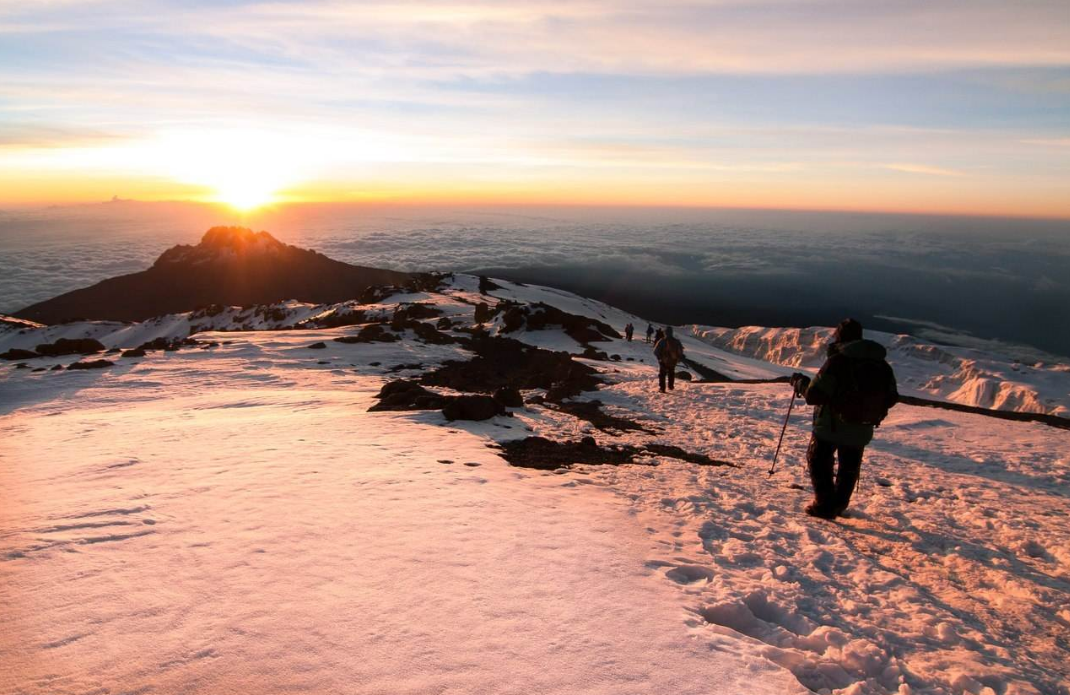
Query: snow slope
{"points": [[946, 373], [233, 519]]}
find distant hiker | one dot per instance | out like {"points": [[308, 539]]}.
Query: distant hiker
{"points": [[649, 332], [628, 331], [658, 336], [669, 352], [852, 393]]}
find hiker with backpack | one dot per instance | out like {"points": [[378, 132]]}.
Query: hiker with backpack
{"points": [[669, 351], [649, 332], [628, 331], [852, 394]]}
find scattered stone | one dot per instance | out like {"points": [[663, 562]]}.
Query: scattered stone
{"points": [[57, 368], [615, 358], [683, 375], [40, 369], [445, 460], [444, 324], [472, 464], [403, 367], [322, 362], [374, 364], [92, 364], [22, 365], [317, 346], [69, 346], [486, 285], [136, 352]]}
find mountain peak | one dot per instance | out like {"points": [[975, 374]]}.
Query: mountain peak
{"points": [[224, 244]]}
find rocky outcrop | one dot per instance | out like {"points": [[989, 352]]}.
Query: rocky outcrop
{"points": [[65, 346]]}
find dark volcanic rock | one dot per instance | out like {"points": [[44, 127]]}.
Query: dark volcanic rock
{"points": [[472, 408], [373, 333], [92, 364], [548, 455], [317, 346], [592, 412], [407, 395], [136, 352], [486, 285], [683, 375], [509, 396], [167, 345], [19, 354], [540, 316], [677, 453], [230, 266], [505, 362], [65, 346]]}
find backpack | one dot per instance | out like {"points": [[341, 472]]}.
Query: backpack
{"points": [[669, 350], [862, 394]]}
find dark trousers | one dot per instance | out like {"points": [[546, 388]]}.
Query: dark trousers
{"points": [[833, 492], [666, 372]]}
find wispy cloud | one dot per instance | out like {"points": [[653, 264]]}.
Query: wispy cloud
{"points": [[923, 169]]}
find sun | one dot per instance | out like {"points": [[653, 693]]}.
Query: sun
{"points": [[242, 169], [244, 196]]}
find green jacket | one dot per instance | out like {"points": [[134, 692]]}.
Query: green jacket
{"points": [[823, 389]]}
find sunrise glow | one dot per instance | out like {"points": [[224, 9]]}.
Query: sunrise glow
{"points": [[936, 108]]}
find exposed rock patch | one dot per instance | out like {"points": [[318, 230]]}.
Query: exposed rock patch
{"points": [[19, 354], [372, 333], [592, 412], [503, 362], [67, 346], [92, 364], [549, 455]]}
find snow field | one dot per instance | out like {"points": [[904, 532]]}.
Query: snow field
{"points": [[233, 518]]}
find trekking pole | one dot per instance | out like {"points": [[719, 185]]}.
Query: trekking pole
{"points": [[783, 429]]}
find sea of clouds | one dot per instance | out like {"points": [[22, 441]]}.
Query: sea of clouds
{"points": [[952, 279]]}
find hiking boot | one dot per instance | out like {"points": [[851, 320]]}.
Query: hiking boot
{"points": [[814, 509]]}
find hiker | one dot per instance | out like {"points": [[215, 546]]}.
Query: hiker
{"points": [[649, 332], [669, 352], [851, 393], [628, 331], [658, 336]]}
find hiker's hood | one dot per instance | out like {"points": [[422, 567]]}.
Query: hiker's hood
{"points": [[863, 350]]}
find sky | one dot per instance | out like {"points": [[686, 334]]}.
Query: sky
{"points": [[899, 105]]}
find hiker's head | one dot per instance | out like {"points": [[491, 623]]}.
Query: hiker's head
{"points": [[848, 331], [668, 331]]}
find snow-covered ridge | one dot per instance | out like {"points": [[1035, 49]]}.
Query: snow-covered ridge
{"points": [[952, 374]]}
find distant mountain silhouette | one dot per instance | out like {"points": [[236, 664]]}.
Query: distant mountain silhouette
{"points": [[231, 266]]}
